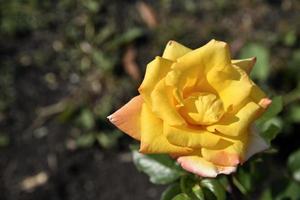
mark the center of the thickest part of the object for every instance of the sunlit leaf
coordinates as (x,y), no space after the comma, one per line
(214,186)
(190,186)
(160,168)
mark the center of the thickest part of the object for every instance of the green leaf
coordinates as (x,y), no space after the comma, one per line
(86,119)
(198,192)
(127,37)
(181,196)
(239,185)
(274,109)
(266,195)
(189,185)
(171,192)
(290,38)
(291,192)
(160,168)
(244,179)
(270,132)
(262,67)
(85,140)
(4,140)
(294,164)
(108,140)
(294,113)
(214,186)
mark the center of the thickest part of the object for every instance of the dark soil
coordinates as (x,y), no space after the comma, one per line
(90,173)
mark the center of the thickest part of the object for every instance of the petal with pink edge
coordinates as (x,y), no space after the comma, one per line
(127,118)
(201,167)
(198,165)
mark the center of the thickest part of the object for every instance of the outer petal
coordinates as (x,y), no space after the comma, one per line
(127,118)
(235,125)
(203,168)
(156,70)
(175,50)
(189,137)
(245,64)
(256,144)
(223,157)
(230,154)
(152,138)
(198,165)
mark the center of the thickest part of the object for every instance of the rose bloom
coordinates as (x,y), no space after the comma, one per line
(198,106)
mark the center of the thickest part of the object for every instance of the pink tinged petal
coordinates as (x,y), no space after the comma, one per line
(201,167)
(198,165)
(265,102)
(221,157)
(256,144)
(226,169)
(127,118)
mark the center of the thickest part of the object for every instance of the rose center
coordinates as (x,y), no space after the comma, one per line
(202,109)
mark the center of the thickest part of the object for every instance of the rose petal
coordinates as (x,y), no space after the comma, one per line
(222,157)
(193,67)
(256,144)
(155,71)
(245,64)
(229,152)
(237,124)
(232,82)
(190,137)
(198,165)
(175,50)
(152,137)
(202,167)
(127,118)
(226,170)
(164,106)
(265,103)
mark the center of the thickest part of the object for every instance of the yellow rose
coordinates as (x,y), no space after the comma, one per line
(198,106)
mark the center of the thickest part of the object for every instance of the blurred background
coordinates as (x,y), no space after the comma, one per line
(66,65)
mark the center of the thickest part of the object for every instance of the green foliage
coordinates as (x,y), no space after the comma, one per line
(215,187)
(4,140)
(274,109)
(161,169)
(181,196)
(294,164)
(268,124)
(171,192)
(86,140)
(261,70)
(108,140)
(82,44)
